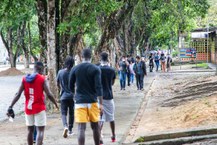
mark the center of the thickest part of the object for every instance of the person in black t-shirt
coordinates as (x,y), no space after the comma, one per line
(108,79)
(87,78)
(66,96)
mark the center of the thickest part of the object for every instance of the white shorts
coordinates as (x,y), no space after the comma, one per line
(38,119)
(108,111)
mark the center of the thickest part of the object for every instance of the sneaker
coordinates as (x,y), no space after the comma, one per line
(100,142)
(142,89)
(113,139)
(65,132)
(70,133)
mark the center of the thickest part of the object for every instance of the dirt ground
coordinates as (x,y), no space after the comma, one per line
(178,101)
(11,72)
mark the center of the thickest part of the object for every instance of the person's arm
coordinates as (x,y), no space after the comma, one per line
(58,80)
(72,80)
(49,94)
(113,82)
(17,95)
(98,87)
(144,67)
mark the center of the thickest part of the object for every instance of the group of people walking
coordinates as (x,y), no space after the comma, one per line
(85,94)
(128,68)
(160,60)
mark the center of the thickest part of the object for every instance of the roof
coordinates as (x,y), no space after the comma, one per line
(205,29)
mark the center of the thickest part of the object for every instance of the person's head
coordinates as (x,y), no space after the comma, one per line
(104,57)
(128,56)
(123,58)
(86,54)
(138,58)
(39,67)
(69,62)
(150,54)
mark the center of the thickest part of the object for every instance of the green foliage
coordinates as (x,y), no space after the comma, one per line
(84,16)
(13,12)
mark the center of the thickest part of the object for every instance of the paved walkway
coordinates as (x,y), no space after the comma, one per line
(127,104)
(8,88)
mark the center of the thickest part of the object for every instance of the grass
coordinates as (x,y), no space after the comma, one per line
(203,65)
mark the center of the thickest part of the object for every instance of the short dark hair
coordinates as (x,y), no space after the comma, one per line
(69,62)
(138,57)
(104,56)
(86,53)
(39,66)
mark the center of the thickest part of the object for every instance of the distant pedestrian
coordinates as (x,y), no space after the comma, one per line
(157,61)
(151,62)
(169,61)
(87,78)
(34,86)
(108,79)
(132,73)
(128,69)
(163,62)
(140,71)
(66,97)
(123,64)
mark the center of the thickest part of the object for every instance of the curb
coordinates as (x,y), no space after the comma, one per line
(195,133)
(180,141)
(137,116)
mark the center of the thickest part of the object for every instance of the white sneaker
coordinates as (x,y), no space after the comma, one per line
(71,133)
(65,132)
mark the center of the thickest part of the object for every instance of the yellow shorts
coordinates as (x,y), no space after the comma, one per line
(87,112)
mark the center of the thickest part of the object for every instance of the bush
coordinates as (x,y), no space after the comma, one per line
(175,53)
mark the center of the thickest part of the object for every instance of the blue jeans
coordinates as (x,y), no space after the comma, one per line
(122,77)
(131,78)
(157,65)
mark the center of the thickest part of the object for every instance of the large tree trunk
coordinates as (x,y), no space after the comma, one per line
(113,24)
(23,45)
(10,52)
(51,40)
(42,24)
(30,43)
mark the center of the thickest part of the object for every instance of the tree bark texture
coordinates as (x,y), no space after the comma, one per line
(51,54)
(41,6)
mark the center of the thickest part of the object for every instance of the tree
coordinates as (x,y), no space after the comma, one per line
(51,43)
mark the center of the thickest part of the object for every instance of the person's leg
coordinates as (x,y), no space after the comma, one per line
(64,111)
(141,81)
(40,135)
(137,82)
(71,114)
(124,80)
(35,134)
(30,135)
(164,67)
(121,80)
(128,78)
(96,132)
(112,125)
(81,133)
(157,65)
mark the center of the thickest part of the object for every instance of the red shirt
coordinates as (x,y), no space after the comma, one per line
(34,94)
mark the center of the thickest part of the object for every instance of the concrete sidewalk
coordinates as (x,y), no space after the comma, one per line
(127,104)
